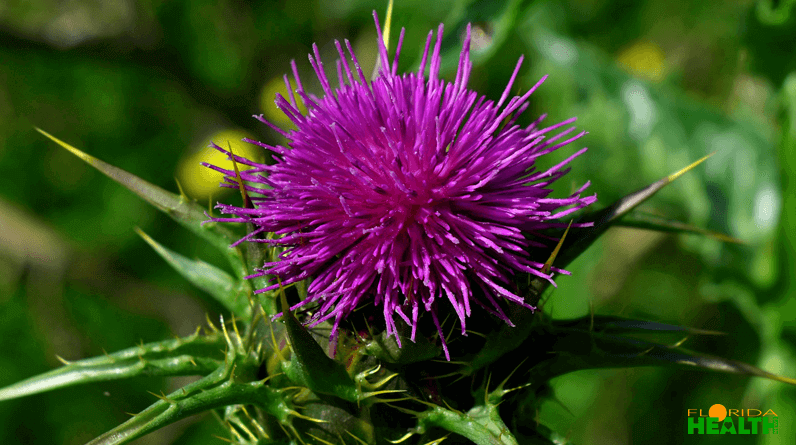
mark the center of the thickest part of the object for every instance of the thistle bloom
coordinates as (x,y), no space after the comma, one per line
(406,192)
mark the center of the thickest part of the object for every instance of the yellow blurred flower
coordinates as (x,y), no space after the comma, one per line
(645,60)
(270,111)
(200,182)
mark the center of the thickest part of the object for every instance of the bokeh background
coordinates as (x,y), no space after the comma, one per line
(146,84)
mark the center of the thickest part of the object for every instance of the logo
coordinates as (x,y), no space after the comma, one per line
(720,420)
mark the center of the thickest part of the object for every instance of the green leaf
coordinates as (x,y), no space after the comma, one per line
(186,212)
(194,355)
(310,366)
(385,348)
(231,293)
(256,254)
(216,390)
(614,324)
(504,340)
(481,424)
(580,238)
(593,342)
(339,421)
(577,349)
(508,338)
(651,222)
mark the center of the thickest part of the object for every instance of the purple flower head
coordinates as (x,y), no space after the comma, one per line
(406,192)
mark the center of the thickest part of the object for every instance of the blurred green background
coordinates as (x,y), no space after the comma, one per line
(146,84)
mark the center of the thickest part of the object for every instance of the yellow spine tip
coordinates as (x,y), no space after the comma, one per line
(682,171)
(87,158)
(387,25)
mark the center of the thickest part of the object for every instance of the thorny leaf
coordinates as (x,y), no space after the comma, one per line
(194,355)
(232,293)
(186,212)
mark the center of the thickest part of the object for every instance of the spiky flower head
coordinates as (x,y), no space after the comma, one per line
(407,192)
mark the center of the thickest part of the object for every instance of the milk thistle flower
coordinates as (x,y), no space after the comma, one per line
(406,191)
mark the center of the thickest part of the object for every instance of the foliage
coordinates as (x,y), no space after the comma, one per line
(153,79)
